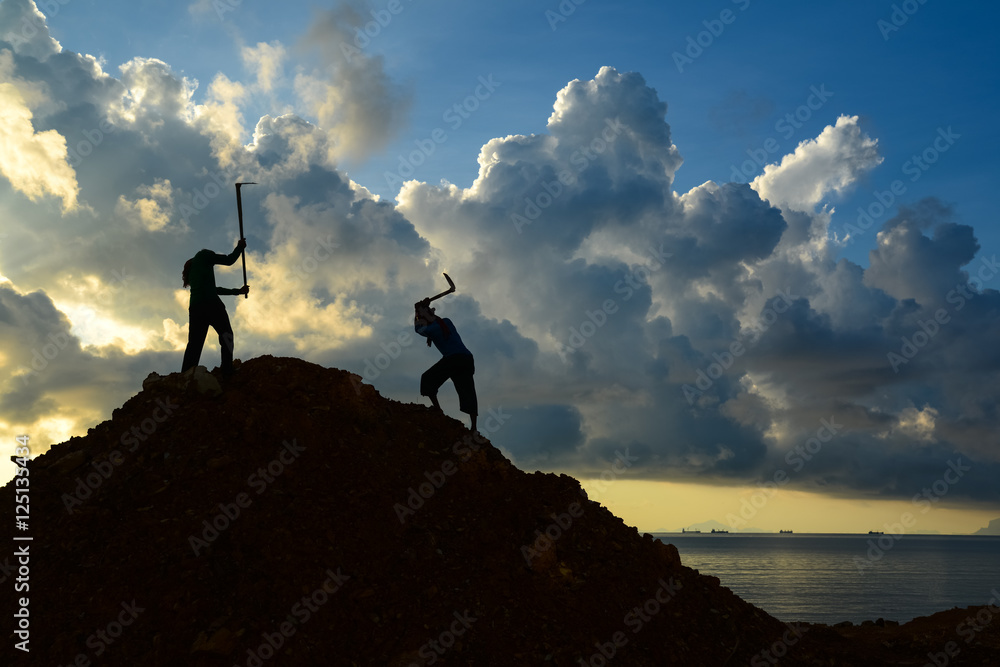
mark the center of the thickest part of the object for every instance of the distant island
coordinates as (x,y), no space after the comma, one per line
(992,529)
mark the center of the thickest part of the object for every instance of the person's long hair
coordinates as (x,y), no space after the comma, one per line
(184,273)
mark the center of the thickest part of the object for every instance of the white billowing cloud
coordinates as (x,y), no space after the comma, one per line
(34,162)
(31,94)
(152,209)
(585,214)
(153,93)
(157,168)
(221,119)
(642,299)
(708,332)
(910,265)
(23,26)
(616,101)
(321,256)
(288,146)
(830,163)
(576,237)
(349,92)
(267,61)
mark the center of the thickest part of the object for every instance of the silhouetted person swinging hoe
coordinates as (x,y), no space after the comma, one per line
(456,363)
(206,308)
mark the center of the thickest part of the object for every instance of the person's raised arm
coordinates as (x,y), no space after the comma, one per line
(230,259)
(423,319)
(419,324)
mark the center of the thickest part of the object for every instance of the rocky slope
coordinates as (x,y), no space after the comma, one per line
(294,516)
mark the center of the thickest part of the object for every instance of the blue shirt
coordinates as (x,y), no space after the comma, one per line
(452,344)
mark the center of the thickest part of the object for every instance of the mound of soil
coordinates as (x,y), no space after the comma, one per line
(290,515)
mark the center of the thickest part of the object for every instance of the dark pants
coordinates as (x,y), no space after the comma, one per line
(212,314)
(459,368)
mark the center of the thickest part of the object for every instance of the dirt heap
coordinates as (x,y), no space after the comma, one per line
(290,515)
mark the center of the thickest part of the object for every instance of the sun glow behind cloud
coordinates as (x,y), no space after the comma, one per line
(34,163)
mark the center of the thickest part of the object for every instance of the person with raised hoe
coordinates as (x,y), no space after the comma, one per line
(456,363)
(206,308)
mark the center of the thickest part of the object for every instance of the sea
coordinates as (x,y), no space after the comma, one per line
(830,578)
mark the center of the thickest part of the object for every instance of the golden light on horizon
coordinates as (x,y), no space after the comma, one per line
(657,506)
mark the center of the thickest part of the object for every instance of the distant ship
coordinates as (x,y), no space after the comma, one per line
(786,532)
(685,530)
(875,532)
(720,531)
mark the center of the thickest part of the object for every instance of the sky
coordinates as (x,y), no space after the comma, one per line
(729,261)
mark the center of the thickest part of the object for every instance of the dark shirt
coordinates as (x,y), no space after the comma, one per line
(201,276)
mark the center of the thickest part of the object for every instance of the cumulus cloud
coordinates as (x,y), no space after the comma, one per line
(710,332)
(153,93)
(910,265)
(152,209)
(267,61)
(34,162)
(155,166)
(222,120)
(349,92)
(24,28)
(830,163)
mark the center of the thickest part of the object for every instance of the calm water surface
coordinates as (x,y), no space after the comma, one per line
(833,578)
